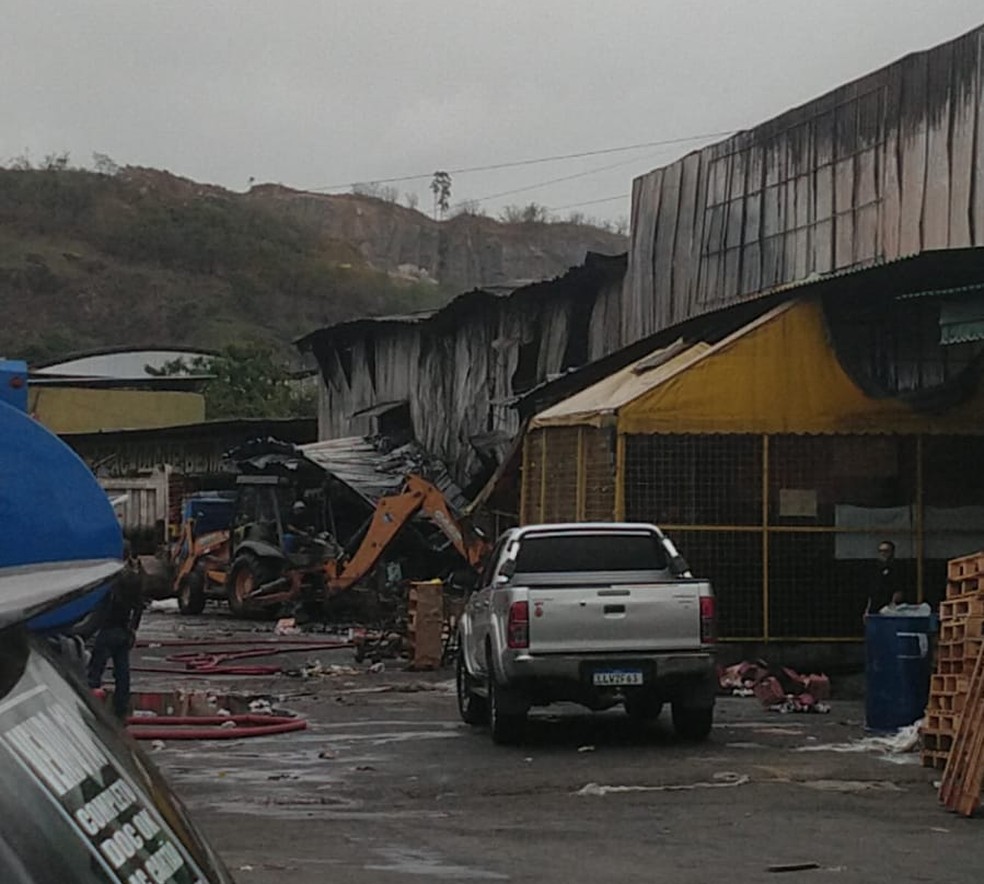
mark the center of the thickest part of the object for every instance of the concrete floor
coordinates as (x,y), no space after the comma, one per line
(387,785)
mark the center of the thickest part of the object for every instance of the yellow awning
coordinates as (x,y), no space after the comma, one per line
(779,374)
(599,403)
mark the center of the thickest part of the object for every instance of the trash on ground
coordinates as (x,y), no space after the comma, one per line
(777,688)
(585,748)
(286,626)
(906,740)
(377,667)
(722,780)
(164,606)
(852,786)
(793,867)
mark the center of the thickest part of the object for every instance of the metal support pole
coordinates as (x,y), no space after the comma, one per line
(765,537)
(620,477)
(920,523)
(542,516)
(581,493)
(524,480)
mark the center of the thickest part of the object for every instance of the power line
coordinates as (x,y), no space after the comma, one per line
(540,184)
(604,199)
(530,162)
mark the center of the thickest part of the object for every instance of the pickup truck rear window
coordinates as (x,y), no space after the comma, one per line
(590,552)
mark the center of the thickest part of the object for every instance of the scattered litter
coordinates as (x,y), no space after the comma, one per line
(722,780)
(316,669)
(377,667)
(286,626)
(260,706)
(245,868)
(157,745)
(793,867)
(585,748)
(164,606)
(143,713)
(939,829)
(365,767)
(777,688)
(327,754)
(803,704)
(906,740)
(528,760)
(852,786)
(228,724)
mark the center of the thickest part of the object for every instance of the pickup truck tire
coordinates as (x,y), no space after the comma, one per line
(472,708)
(507,728)
(693,723)
(191,593)
(643,710)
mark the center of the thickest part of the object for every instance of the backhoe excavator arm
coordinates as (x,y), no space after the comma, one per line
(391,515)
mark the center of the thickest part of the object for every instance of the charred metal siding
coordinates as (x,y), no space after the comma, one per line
(887,166)
(461,369)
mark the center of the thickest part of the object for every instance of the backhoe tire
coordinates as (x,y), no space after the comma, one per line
(246,574)
(473,709)
(191,593)
(693,723)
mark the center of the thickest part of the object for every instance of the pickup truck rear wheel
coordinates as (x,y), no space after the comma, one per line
(693,723)
(507,728)
(642,710)
(472,708)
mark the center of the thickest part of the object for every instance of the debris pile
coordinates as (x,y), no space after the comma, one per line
(777,688)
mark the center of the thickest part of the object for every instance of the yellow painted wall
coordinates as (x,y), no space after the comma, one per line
(79,410)
(782,377)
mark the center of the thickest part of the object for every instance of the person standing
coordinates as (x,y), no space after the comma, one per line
(117,633)
(886,587)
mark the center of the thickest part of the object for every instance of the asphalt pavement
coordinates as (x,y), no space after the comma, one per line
(387,785)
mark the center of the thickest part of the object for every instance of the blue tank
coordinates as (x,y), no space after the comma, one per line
(897,670)
(52,509)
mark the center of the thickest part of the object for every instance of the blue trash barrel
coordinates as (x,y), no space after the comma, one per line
(897,670)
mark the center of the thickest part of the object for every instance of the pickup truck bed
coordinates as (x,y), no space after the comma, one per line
(598,614)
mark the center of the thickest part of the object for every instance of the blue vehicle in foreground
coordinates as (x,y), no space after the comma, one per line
(79,802)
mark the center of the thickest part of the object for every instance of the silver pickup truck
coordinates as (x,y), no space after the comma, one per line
(592,613)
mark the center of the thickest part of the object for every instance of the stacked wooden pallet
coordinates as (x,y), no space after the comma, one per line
(960,642)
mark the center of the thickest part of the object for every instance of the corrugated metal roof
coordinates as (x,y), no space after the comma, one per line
(375,469)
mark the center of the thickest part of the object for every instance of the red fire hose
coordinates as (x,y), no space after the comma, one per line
(199,663)
(210,727)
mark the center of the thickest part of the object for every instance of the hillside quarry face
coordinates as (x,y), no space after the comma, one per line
(463,253)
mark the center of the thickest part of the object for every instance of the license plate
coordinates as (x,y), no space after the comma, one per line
(616,677)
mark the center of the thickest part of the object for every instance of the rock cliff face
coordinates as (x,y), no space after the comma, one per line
(462,253)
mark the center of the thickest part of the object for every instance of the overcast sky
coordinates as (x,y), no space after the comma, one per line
(319,93)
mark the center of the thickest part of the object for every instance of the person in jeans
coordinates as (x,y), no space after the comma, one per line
(118,631)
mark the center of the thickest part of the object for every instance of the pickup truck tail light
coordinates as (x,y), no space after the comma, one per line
(518,626)
(708,625)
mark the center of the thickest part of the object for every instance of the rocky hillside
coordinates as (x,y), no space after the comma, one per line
(143,257)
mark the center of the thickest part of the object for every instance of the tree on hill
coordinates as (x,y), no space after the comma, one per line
(247,380)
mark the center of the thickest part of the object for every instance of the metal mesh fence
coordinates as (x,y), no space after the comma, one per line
(598,447)
(694,480)
(786,527)
(560,489)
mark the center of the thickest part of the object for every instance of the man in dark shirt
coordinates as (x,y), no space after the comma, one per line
(887,584)
(118,631)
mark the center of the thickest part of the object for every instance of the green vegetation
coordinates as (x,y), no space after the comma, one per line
(249,380)
(90,259)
